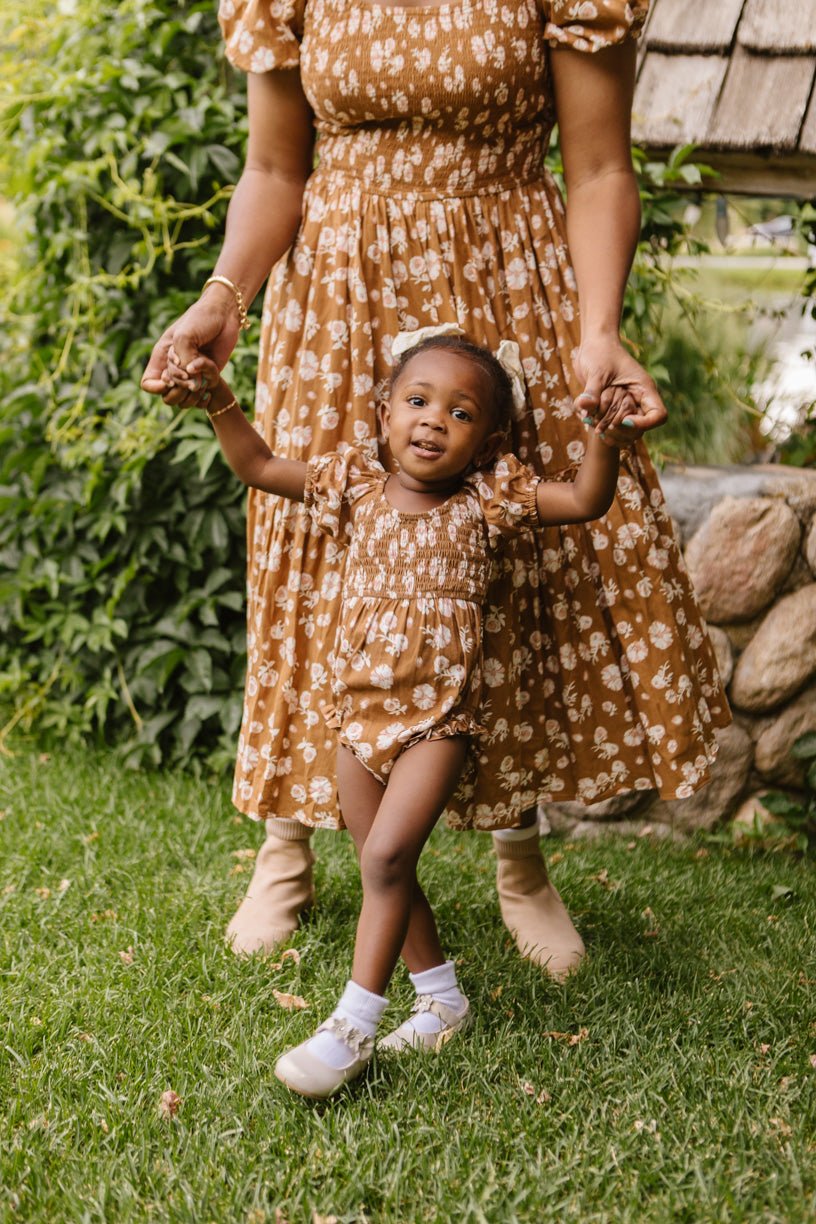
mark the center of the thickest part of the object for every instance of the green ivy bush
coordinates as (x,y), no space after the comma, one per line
(121,530)
(120,571)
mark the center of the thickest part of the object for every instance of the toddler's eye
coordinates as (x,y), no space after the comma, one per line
(416,400)
(459,414)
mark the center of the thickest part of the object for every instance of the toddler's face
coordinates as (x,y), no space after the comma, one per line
(440,419)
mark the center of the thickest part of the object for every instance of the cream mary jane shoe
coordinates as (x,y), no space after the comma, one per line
(301,1071)
(406,1037)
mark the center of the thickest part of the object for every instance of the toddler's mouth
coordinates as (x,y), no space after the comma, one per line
(426,448)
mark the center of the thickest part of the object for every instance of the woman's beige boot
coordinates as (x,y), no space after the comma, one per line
(532,910)
(280,890)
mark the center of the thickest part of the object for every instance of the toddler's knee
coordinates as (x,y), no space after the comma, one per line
(385,864)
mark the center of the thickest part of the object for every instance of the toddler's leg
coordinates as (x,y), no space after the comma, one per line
(419,786)
(389,827)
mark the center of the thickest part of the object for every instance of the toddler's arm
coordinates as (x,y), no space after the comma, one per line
(248,455)
(591,493)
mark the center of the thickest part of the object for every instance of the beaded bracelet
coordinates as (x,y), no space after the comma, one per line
(243,320)
(220,411)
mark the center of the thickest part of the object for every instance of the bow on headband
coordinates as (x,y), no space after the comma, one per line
(507,355)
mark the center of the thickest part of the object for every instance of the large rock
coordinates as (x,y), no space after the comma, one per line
(741,555)
(810,547)
(562,818)
(799,575)
(724,652)
(772,753)
(781,655)
(692,492)
(714,802)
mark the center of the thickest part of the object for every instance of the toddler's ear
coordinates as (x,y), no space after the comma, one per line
(384,420)
(489,449)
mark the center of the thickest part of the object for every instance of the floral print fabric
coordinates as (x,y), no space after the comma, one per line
(407,663)
(430,204)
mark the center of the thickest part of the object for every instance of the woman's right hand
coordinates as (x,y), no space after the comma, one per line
(209,328)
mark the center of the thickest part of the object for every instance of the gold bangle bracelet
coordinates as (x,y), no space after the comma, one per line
(220,411)
(243,320)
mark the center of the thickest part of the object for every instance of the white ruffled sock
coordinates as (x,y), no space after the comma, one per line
(360,1008)
(441,984)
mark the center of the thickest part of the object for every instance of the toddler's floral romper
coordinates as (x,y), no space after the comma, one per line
(407,663)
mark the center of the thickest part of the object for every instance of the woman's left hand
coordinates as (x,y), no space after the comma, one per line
(617,389)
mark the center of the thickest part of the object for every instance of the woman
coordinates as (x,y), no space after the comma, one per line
(430,204)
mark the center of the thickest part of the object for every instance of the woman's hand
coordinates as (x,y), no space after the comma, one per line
(619,397)
(208,329)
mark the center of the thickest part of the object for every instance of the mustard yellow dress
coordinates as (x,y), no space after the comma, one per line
(430,203)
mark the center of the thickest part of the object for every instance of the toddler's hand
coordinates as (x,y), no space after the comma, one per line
(192,387)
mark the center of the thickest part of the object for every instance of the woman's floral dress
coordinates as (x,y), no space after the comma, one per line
(407,660)
(430,203)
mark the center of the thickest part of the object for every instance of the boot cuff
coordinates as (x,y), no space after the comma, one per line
(288,830)
(528,847)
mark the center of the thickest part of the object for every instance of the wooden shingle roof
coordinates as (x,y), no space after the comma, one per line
(737,78)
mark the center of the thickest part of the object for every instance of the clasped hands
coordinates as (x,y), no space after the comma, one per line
(620,400)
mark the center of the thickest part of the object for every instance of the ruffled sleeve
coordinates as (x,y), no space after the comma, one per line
(591,25)
(260,35)
(334,482)
(507,493)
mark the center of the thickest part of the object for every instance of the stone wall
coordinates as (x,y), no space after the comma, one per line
(749,539)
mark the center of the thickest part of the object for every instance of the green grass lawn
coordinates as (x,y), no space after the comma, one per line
(687,1094)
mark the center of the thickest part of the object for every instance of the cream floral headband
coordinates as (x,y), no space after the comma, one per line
(507,355)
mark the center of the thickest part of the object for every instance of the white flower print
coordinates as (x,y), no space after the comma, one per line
(424,696)
(382,676)
(661,635)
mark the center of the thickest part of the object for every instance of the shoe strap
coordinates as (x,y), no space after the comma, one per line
(360,1044)
(427,1003)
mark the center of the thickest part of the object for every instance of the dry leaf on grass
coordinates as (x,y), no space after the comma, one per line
(169,1103)
(63,886)
(572,1039)
(291,954)
(247,853)
(764,1047)
(108,915)
(321,1219)
(289,1002)
(540,1098)
(602,878)
(126,957)
(238,869)
(43,893)
(91,837)
(702,853)
(9,889)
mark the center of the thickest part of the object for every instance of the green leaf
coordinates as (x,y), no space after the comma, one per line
(805,746)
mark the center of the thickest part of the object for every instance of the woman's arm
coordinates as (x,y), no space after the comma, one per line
(262,221)
(591,493)
(246,452)
(593,94)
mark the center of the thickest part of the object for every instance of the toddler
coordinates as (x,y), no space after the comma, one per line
(407,658)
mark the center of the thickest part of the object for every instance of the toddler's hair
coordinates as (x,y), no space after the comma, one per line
(501,399)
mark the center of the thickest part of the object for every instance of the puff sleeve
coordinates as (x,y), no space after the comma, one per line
(507,493)
(334,482)
(260,35)
(591,25)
